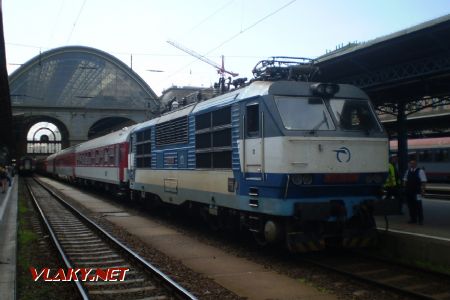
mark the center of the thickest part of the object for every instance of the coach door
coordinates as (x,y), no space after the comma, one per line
(253,142)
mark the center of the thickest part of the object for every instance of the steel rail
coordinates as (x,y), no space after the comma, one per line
(165,280)
(55,241)
(365,279)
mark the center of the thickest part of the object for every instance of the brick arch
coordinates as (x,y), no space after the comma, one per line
(22,126)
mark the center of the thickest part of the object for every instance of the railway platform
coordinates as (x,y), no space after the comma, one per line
(427,243)
(8,241)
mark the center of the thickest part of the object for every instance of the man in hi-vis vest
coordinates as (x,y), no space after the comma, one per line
(393,182)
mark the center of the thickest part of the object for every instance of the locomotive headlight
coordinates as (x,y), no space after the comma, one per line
(297,179)
(331,89)
(325,89)
(307,178)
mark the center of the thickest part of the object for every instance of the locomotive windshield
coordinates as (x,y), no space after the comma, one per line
(299,113)
(354,115)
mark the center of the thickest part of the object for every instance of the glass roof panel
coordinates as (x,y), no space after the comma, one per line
(79,77)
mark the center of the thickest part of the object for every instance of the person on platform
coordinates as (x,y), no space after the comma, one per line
(392,183)
(415,180)
(3,179)
(9,174)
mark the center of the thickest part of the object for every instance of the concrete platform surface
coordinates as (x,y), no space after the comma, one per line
(243,277)
(8,242)
(429,242)
(91,201)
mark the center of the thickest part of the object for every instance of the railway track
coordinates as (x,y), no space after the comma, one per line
(408,281)
(84,245)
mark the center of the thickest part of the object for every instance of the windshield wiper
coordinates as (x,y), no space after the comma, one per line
(323,121)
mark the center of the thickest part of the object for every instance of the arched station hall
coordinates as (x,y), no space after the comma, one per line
(71,94)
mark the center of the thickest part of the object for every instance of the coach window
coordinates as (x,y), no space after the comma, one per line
(425,156)
(445,155)
(442,155)
(252,123)
(131,143)
(106,156)
(111,156)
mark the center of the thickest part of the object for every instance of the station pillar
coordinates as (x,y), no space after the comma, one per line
(6,132)
(402,139)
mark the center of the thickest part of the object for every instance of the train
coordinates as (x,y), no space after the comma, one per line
(289,161)
(26,165)
(431,154)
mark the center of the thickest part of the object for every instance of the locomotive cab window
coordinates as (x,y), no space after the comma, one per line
(298,113)
(252,120)
(354,115)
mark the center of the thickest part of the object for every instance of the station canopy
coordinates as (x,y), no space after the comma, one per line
(79,77)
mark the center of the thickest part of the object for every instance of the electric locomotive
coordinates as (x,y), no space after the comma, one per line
(290,160)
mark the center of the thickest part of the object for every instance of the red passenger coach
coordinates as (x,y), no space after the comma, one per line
(62,164)
(50,164)
(432,154)
(104,161)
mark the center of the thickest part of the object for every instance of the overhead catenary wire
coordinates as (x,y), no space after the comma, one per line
(56,21)
(251,26)
(76,21)
(127,54)
(208,17)
(236,35)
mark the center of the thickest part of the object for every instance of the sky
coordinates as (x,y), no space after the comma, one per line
(244,31)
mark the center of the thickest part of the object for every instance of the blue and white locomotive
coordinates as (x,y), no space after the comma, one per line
(292,161)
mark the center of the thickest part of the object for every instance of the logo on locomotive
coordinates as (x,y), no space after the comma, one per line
(343,154)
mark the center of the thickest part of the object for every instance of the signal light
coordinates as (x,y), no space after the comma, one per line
(325,89)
